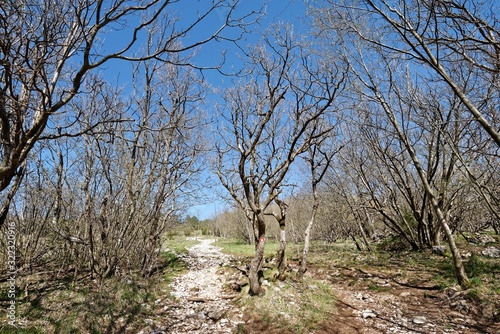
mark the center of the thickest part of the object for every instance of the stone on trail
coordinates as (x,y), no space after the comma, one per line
(491,252)
(419,320)
(366,314)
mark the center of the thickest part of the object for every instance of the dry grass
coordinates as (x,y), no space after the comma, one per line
(54,302)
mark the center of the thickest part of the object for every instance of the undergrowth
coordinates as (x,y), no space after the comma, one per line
(54,303)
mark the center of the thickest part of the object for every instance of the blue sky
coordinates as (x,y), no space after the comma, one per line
(292,11)
(289,11)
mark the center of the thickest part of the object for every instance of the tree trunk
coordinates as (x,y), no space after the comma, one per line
(363,235)
(358,247)
(281,252)
(370,228)
(256,263)
(437,238)
(307,238)
(457,259)
(281,218)
(12,191)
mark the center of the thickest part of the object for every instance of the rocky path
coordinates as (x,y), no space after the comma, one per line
(201,301)
(200,305)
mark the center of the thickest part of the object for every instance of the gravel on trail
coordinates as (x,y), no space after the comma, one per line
(200,305)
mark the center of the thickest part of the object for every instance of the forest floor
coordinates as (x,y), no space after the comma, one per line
(346,291)
(203,289)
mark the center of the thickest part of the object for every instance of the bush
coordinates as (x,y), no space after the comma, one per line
(394,244)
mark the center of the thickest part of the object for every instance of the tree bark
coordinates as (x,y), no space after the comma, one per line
(281,252)
(256,263)
(307,241)
(363,234)
(460,274)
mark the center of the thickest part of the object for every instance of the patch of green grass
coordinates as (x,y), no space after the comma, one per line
(318,304)
(473,294)
(330,254)
(477,266)
(394,243)
(172,261)
(94,311)
(292,307)
(240,329)
(476,282)
(178,244)
(240,249)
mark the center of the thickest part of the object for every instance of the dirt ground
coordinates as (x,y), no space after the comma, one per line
(372,301)
(396,308)
(366,293)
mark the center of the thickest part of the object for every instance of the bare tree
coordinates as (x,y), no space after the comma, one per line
(267,122)
(107,197)
(395,46)
(232,223)
(393,110)
(319,158)
(438,35)
(45,208)
(384,173)
(167,149)
(48,48)
(346,189)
